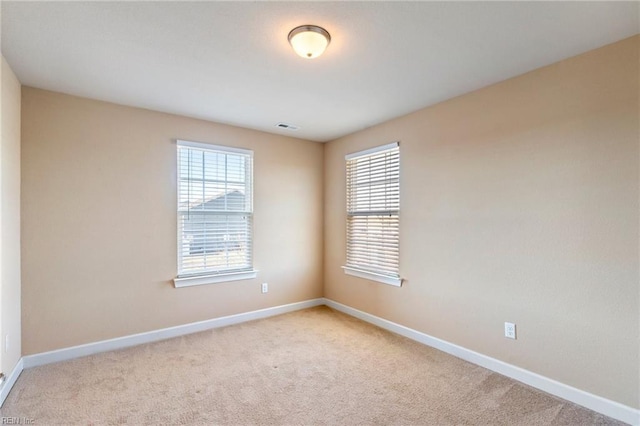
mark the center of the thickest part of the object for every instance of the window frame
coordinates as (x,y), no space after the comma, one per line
(363,270)
(212,276)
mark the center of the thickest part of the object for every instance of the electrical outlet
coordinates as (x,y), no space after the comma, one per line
(509,330)
(265,287)
(6,343)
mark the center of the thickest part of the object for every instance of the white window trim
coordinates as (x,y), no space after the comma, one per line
(209,146)
(213,279)
(360,273)
(396,282)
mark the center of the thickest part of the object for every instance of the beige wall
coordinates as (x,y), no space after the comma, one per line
(10,220)
(99,221)
(519,203)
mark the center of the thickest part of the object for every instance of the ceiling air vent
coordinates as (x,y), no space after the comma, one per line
(287,126)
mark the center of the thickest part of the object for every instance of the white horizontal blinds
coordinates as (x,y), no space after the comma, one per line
(373,207)
(215,209)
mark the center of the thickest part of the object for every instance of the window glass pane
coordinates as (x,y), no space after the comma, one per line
(214,211)
(373,205)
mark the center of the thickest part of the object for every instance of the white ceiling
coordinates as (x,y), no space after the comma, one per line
(230,62)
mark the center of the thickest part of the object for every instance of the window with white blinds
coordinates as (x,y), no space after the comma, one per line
(215,210)
(373,209)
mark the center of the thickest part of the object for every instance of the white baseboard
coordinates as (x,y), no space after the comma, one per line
(162,334)
(593,402)
(11,380)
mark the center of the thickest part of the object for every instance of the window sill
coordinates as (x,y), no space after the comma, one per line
(396,282)
(212,279)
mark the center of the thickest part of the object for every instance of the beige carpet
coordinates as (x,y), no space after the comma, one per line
(310,367)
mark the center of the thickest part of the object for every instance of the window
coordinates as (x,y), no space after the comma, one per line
(215,212)
(373,209)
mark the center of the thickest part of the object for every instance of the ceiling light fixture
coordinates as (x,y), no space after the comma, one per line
(309,41)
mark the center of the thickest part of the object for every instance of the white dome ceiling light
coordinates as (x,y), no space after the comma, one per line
(309,41)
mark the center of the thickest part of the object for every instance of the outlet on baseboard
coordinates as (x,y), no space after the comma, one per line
(265,287)
(509,330)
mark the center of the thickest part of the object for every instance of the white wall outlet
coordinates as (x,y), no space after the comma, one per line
(6,343)
(265,287)
(509,330)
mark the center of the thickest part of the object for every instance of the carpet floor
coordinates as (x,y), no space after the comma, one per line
(310,367)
